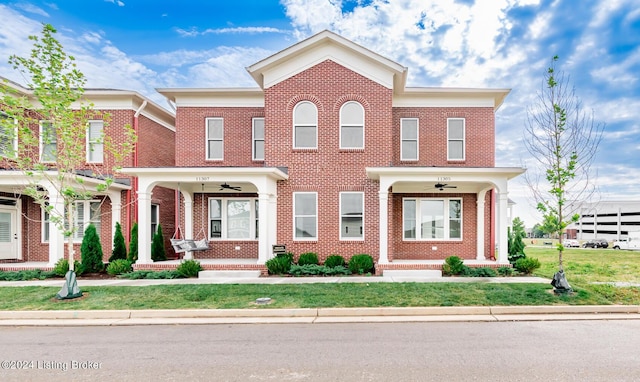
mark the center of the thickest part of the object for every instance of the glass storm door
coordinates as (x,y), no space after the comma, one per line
(8,234)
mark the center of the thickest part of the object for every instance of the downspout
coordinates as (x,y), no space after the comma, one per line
(134,202)
(492,225)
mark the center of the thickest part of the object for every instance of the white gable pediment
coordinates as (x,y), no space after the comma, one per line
(328,46)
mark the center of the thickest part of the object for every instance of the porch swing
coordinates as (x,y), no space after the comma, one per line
(180,244)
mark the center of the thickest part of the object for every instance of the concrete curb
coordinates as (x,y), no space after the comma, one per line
(318,315)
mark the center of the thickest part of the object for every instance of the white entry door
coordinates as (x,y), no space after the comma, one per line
(8,233)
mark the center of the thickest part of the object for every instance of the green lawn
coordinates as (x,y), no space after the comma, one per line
(583,267)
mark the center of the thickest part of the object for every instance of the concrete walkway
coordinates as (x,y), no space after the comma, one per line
(263,315)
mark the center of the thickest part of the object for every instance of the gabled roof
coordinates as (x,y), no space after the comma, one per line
(320,47)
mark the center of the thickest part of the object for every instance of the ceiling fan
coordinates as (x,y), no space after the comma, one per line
(225,186)
(442,186)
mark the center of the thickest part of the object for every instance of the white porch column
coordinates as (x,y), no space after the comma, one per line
(383,200)
(480,226)
(144,226)
(56,236)
(502,223)
(266,219)
(188,220)
(116,211)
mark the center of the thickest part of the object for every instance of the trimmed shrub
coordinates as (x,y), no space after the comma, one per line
(91,251)
(189,268)
(361,264)
(137,275)
(158,252)
(318,270)
(515,257)
(505,271)
(308,258)
(119,248)
(280,265)
(133,244)
(527,265)
(481,272)
(119,266)
(62,267)
(334,261)
(453,265)
(30,274)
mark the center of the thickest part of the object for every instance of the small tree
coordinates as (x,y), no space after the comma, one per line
(91,251)
(158,252)
(563,139)
(119,247)
(133,244)
(57,156)
(515,242)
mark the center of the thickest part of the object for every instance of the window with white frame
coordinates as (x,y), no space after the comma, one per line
(95,144)
(86,212)
(351,126)
(305,215)
(258,138)
(48,142)
(432,219)
(8,136)
(233,218)
(155,218)
(215,138)
(305,126)
(351,215)
(409,139)
(455,138)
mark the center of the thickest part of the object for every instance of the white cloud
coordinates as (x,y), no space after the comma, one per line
(193,32)
(28,7)
(117,2)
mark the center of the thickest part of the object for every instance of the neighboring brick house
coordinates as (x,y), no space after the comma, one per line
(333,154)
(26,235)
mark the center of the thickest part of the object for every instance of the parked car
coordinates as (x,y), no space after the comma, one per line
(630,243)
(570,243)
(596,243)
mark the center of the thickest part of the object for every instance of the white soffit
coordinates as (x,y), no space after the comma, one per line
(320,47)
(221,97)
(450,97)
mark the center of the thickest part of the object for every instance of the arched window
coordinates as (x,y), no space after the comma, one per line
(352,126)
(305,126)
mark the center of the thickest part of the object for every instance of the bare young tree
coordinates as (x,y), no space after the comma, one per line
(562,139)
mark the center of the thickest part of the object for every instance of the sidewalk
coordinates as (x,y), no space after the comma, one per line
(307,316)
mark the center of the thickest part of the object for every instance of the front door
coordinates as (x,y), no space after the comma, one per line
(8,233)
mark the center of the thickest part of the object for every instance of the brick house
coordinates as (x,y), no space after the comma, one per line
(332,153)
(25,234)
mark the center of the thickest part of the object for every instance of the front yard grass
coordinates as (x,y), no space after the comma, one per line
(583,268)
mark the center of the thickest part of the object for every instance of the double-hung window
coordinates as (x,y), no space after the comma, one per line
(48,142)
(305,216)
(215,138)
(351,126)
(8,137)
(351,215)
(258,138)
(86,212)
(409,139)
(155,218)
(455,139)
(95,144)
(432,219)
(233,218)
(305,126)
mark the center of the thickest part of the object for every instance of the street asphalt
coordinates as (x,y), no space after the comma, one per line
(261,314)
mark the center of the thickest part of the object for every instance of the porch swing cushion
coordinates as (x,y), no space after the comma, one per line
(184,245)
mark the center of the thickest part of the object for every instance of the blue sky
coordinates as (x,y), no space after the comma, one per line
(143,45)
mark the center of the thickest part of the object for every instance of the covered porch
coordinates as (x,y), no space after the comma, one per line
(196,186)
(481,229)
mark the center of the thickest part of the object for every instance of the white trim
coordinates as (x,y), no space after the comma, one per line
(315,147)
(295,238)
(350,238)
(417,140)
(254,140)
(446,228)
(464,140)
(98,141)
(361,147)
(207,139)
(224,218)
